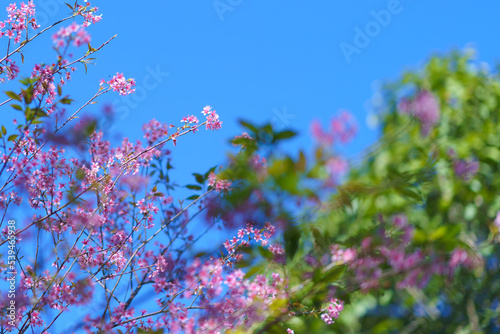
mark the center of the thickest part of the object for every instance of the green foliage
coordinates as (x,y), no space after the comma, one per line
(408,173)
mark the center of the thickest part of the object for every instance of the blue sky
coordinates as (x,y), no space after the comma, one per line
(278,61)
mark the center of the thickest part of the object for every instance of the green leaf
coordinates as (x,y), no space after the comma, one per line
(319,239)
(16,106)
(13,96)
(410,193)
(28,95)
(285,134)
(291,237)
(333,274)
(39,112)
(193,197)
(12,137)
(266,254)
(193,187)
(66,100)
(242,264)
(253,271)
(199,178)
(248,126)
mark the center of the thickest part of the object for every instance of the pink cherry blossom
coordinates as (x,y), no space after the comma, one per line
(121,85)
(425,107)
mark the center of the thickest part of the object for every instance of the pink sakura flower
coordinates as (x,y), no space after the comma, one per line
(154,130)
(18,21)
(88,14)
(206,110)
(465,169)
(333,311)
(243,135)
(341,256)
(245,235)
(257,162)
(234,279)
(10,68)
(319,135)
(425,107)
(36,320)
(337,167)
(213,122)
(121,85)
(460,257)
(167,200)
(220,185)
(74,32)
(290,331)
(342,127)
(161,266)
(190,119)
(81,38)
(277,249)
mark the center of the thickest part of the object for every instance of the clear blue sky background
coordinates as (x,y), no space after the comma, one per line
(252,59)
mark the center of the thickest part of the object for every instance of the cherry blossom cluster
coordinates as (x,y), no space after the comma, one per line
(74,32)
(119,84)
(45,86)
(343,127)
(154,130)
(277,249)
(258,162)
(93,207)
(249,233)
(10,69)
(190,119)
(213,122)
(332,311)
(218,184)
(18,21)
(341,256)
(245,302)
(414,267)
(89,13)
(425,107)
(337,167)
(464,169)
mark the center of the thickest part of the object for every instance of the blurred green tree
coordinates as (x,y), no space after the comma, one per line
(408,238)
